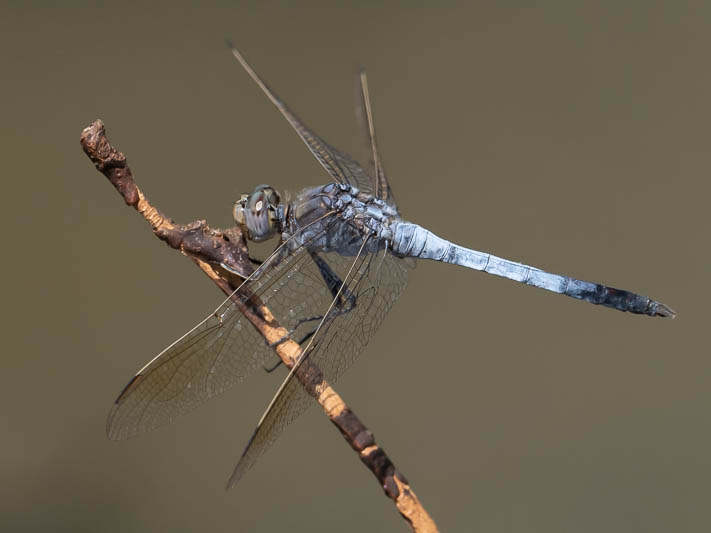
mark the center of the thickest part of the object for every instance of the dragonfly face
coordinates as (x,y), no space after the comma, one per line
(259,213)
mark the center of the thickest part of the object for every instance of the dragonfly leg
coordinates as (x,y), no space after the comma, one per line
(306,337)
(292,330)
(271,369)
(279,254)
(345,303)
(334,283)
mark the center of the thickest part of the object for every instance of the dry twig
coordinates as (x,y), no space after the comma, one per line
(207,248)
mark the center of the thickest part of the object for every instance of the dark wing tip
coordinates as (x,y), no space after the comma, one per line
(242,466)
(236,476)
(114,432)
(127,388)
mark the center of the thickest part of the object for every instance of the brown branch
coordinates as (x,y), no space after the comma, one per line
(208,248)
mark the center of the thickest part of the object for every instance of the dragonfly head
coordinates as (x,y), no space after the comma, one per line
(259,213)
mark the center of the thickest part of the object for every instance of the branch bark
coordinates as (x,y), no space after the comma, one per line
(207,248)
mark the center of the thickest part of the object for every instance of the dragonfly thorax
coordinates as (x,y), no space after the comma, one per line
(260,214)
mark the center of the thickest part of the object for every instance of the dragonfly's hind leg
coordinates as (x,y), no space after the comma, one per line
(292,330)
(306,337)
(271,369)
(334,284)
(345,301)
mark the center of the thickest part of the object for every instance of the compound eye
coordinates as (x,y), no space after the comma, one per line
(271,194)
(273,197)
(257,217)
(258,203)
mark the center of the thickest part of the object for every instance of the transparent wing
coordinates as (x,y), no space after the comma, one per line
(356,175)
(376,280)
(222,349)
(364,114)
(340,166)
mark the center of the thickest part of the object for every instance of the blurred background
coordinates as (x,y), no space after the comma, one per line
(571,136)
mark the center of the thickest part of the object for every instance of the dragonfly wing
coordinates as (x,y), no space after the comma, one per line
(370,285)
(364,114)
(357,176)
(221,350)
(187,373)
(339,165)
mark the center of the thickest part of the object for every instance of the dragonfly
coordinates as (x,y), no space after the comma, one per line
(343,259)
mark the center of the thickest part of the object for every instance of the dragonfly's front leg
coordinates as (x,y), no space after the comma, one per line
(269,263)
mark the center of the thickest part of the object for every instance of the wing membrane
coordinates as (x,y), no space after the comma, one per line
(297,287)
(340,166)
(221,350)
(376,280)
(364,113)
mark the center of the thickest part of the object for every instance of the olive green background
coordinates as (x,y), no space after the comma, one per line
(571,136)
